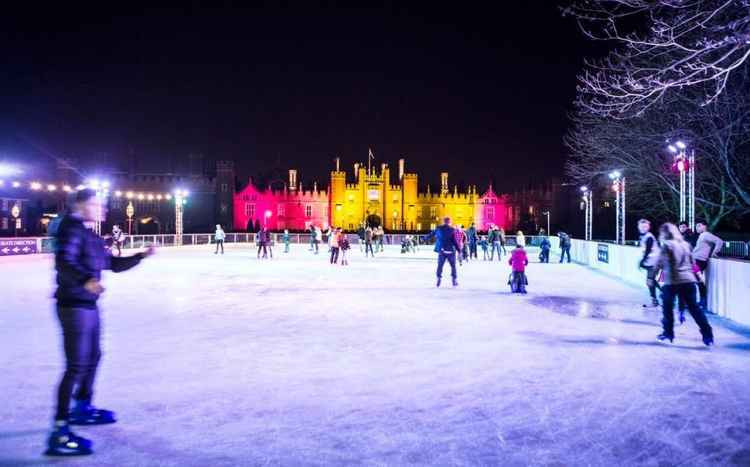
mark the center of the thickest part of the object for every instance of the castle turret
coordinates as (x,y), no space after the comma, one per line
(337,198)
(444,183)
(292,180)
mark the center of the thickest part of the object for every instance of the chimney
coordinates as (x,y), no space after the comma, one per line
(356,171)
(292,179)
(338,166)
(401,163)
(444,183)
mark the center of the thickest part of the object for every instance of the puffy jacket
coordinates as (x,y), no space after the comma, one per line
(545,245)
(80,257)
(518,260)
(445,239)
(650,250)
(219,235)
(677,262)
(709,245)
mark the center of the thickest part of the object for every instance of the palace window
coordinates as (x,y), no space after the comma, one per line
(223,208)
(249,210)
(432,226)
(338,207)
(395,198)
(280,210)
(490,212)
(308,211)
(224,187)
(433,211)
(531,210)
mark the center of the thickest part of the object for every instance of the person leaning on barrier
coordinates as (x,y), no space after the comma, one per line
(707,246)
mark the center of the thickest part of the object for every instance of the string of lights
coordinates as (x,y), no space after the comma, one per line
(103,187)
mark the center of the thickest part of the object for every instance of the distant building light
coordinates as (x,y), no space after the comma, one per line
(67,188)
(36,186)
(51,188)
(118,193)
(129,195)
(16,184)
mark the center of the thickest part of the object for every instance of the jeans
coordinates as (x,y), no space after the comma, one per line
(334,254)
(473,250)
(81,331)
(286,246)
(495,246)
(565,249)
(219,243)
(686,293)
(702,289)
(651,281)
(544,255)
(368,249)
(451,258)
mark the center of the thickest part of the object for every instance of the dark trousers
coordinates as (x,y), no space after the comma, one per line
(651,281)
(219,243)
(544,255)
(118,245)
(686,293)
(702,289)
(265,249)
(495,246)
(473,250)
(368,248)
(81,331)
(564,250)
(451,258)
(334,254)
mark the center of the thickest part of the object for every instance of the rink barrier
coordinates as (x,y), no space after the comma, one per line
(33,245)
(728,280)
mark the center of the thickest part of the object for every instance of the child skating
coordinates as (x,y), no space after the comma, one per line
(518,260)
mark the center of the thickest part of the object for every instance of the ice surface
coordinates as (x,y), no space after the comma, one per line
(227,360)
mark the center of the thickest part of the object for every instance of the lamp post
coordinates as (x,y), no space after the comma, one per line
(179,208)
(546,213)
(130,211)
(588,215)
(618,185)
(685,165)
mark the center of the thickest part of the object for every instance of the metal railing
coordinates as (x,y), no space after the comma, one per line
(731,249)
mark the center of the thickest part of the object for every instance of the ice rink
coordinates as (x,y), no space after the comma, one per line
(228,360)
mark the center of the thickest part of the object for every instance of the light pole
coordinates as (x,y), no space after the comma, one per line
(685,165)
(15,212)
(179,208)
(102,192)
(546,213)
(130,211)
(618,185)
(588,215)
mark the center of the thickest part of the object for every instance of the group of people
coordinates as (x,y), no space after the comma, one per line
(675,263)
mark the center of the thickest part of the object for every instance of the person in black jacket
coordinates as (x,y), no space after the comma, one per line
(80,258)
(446,247)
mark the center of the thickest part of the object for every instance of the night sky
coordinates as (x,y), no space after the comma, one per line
(482,93)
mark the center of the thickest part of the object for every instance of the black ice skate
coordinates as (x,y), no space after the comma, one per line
(455,283)
(663,337)
(86,414)
(654,304)
(708,340)
(63,442)
(438,281)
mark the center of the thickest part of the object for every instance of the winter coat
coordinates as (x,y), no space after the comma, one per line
(80,257)
(709,245)
(649,250)
(521,240)
(368,236)
(445,239)
(518,260)
(459,235)
(344,242)
(676,261)
(219,235)
(471,233)
(564,240)
(545,245)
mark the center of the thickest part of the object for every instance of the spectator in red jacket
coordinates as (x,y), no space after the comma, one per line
(518,261)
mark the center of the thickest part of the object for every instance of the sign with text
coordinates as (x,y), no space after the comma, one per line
(602,253)
(12,246)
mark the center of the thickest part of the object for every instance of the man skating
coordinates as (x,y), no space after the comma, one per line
(650,253)
(79,259)
(446,247)
(707,246)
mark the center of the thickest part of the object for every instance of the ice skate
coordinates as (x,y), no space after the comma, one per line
(63,442)
(654,304)
(682,316)
(86,414)
(438,281)
(455,283)
(708,340)
(663,337)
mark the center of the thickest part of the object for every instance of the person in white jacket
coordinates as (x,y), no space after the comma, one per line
(219,237)
(708,246)
(649,255)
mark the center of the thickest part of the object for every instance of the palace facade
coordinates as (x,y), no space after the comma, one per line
(370,198)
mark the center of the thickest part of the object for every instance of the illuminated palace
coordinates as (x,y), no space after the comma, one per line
(373,199)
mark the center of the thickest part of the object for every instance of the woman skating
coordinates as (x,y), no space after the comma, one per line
(676,260)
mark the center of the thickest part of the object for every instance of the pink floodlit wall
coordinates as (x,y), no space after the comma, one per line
(293,210)
(491,209)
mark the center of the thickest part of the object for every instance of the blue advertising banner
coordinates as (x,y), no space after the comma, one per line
(14,246)
(602,253)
